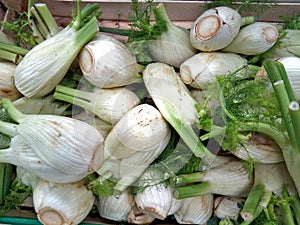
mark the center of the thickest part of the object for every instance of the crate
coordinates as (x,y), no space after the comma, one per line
(115,14)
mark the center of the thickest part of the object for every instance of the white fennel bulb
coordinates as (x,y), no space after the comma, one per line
(254,39)
(133,143)
(228,207)
(292,68)
(215,28)
(109,104)
(66,204)
(259,148)
(173,46)
(7,86)
(116,207)
(202,69)
(136,216)
(66,144)
(106,62)
(45,65)
(195,210)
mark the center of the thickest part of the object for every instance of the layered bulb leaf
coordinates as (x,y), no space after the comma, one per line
(107,63)
(215,28)
(65,204)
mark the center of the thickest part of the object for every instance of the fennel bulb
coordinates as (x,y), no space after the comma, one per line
(136,216)
(215,28)
(195,210)
(45,65)
(254,39)
(133,143)
(116,207)
(260,148)
(173,46)
(228,207)
(107,63)
(292,68)
(109,104)
(202,69)
(155,199)
(176,104)
(67,145)
(68,203)
(7,86)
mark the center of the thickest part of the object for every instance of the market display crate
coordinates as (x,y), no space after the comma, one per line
(115,14)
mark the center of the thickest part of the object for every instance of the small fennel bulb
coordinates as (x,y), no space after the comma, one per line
(215,28)
(68,203)
(116,207)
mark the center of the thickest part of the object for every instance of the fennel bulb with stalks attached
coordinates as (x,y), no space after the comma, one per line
(134,142)
(68,203)
(109,104)
(173,46)
(254,39)
(69,146)
(176,104)
(215,28)
(45,65)
(7,86)
(203,68)
(107,63)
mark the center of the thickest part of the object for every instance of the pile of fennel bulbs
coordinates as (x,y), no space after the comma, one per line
(139,142)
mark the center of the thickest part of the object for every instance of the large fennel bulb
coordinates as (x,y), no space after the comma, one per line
(133,143)
(215,28)
(65,204)
(202,69)
(45,65)
(106,62)
(7,86)
(68,145)
(173,46)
